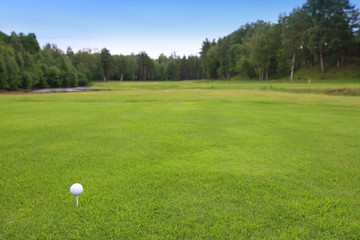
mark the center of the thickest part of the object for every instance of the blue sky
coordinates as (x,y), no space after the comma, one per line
(133,26)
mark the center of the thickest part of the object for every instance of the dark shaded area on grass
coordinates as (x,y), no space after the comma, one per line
(337,91)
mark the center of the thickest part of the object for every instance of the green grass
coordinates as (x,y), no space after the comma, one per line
(183,160)
(217,85)
(350,72)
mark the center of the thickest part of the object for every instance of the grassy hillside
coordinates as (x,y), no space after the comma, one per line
(349,73)
(183,160)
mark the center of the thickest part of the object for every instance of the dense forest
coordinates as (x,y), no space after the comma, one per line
(321,32)
(24,65)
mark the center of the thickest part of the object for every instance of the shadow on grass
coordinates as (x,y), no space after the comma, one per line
(335,91)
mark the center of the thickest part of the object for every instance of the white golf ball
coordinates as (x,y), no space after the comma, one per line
(76,189)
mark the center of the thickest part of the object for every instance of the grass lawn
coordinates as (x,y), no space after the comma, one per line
(181,160)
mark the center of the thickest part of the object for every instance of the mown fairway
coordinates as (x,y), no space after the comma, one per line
(180,161)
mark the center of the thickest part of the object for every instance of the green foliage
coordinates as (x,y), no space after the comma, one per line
(53,77)
(212,62)
(203,56)
(318,32)
(138,67)
(144,66)
(223,51)
(40,71)
(106,61)
(30,43)
(12,69)
(292,28)
(26,80)
(172,70)
(160,70)
(120,67)
(82,80)
(3,74)
(24,65)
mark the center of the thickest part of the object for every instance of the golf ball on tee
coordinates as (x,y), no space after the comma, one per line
(76,189)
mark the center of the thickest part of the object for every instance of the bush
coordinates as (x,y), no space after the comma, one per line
(53,77)
(26,80)
(83,81)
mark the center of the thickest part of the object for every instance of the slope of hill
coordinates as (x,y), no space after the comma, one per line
(349,73)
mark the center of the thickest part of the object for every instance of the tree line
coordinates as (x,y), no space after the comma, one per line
(323,32)
(104,66)
(24,65)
